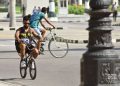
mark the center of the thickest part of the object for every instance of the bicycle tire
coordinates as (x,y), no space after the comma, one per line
(58,49)
(23,70)
(33,71)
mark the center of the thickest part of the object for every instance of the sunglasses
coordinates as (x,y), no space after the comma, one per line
(26,23)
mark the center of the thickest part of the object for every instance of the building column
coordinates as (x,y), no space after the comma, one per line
(51,8)
(12,13)
(100,66)
(117,2)
(87,4)
(8,14)
(51,13)
(79,2)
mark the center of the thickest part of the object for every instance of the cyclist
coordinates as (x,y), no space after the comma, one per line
(36,20)
(23,34)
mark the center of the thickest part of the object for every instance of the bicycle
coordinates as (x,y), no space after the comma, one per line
(57,46)
(28,61)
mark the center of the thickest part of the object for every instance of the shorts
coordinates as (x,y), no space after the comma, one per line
(17,46)
(38,31)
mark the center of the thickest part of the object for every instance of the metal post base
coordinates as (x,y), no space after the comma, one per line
(100,68)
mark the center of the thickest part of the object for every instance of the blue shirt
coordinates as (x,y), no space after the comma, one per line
(35,18)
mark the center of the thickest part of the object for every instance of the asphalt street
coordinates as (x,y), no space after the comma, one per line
(50,71)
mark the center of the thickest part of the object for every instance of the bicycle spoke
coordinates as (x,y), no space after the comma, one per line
(58,49)
(23,68)
(32,69)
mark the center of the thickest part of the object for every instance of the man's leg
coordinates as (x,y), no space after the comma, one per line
(38,31)
(35,52)
(22,50)
(39,44)
(43,32)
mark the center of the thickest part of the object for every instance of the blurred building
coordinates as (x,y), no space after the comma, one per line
(77,2)
(30,4)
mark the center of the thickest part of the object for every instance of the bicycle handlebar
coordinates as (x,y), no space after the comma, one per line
(49,28)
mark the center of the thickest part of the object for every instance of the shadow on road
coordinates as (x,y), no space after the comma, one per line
(10,79)
(9,58)
(14,79)
(8,51)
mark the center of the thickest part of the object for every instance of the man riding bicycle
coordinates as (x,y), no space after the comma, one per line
(36,18)
(22,35)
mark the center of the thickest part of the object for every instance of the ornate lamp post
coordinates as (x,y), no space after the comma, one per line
(100,66)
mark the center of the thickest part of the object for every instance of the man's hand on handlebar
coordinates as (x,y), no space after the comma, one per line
(53,27)
(19,40)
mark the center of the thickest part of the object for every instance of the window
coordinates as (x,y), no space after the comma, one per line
(63,3)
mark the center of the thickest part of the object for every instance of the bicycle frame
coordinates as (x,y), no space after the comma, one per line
(50,35)
(29,62)
(29,51)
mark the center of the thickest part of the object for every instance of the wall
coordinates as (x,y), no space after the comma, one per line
(31,3)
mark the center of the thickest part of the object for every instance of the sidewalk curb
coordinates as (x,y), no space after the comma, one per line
(61,39)
(118,24)
(14,28)
(59,21)
(82,41)
(10,28)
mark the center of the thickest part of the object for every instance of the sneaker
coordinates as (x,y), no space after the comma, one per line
(23,64)
(33,66)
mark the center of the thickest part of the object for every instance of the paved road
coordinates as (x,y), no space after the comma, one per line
(50,71)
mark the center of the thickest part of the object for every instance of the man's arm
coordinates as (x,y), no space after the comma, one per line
(49,22)
(17,35)
(42,24)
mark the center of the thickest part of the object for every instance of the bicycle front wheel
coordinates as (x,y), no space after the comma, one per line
(58,49)
(23,68)
(32,69)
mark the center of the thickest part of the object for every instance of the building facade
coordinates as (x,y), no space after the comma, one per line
(30,4)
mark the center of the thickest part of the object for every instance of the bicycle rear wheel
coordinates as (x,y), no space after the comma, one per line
(58,49)
(32,69)
(23,68)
